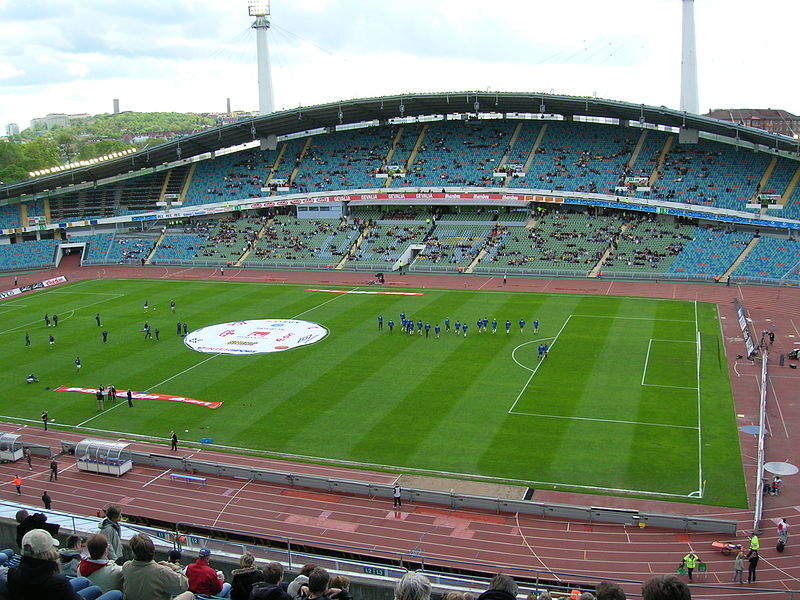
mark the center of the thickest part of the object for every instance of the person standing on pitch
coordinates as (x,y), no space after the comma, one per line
(130,399)
(173,440)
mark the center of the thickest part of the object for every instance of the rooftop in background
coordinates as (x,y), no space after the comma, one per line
(769,119)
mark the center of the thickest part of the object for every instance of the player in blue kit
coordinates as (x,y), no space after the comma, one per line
(437,330)
(402,316)
(380,321)
(485,323)
(522,325)
(480,325)
(508,326)
(546,350)
(541,351)
(465,329)
(447,324)
(419,326)
(427,329)
(391,325)
(458,327)
(410,326)
(494,325)
(535,326)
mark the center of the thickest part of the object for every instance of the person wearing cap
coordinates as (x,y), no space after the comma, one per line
(37,576)
(205,580)
(145,579)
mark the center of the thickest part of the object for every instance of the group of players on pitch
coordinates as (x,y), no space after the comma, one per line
(408,326)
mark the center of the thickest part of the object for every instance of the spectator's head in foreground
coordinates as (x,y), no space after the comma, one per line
(142,547)
(38,543)
(608,590)
(665,587)
(273,572)
(412,586)
(97,545)
(318,581)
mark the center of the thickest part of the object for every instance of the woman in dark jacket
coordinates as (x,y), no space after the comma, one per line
(245,577)
(37,576)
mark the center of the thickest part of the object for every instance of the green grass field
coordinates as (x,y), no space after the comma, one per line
(614,408)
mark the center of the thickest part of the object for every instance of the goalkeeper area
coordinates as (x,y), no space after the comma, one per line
(632,396)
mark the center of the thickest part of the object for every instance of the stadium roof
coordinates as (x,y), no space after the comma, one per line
(384,108)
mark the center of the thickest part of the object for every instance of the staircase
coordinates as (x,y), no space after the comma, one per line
(740,258)
(637,150)
(662,156)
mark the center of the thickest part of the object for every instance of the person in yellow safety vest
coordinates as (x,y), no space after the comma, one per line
(690,562)
(754,543)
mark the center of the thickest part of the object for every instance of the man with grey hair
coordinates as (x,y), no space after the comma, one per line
(412,586)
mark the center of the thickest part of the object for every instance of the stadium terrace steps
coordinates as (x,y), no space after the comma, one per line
(772,258)
(739,259)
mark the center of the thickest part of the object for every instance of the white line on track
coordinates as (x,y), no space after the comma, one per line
(156,478)
(233,497)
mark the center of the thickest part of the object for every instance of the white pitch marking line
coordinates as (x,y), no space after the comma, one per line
(593,419)
(527,383)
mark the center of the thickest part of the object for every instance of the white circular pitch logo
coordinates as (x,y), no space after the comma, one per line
(255,337)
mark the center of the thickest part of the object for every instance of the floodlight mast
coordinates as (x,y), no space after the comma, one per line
(689,99)
(260,10)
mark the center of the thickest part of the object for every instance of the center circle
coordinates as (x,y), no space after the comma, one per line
(255,337)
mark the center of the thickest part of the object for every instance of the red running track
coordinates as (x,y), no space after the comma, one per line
(498,541)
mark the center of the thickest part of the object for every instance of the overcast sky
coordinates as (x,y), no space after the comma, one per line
(75,56)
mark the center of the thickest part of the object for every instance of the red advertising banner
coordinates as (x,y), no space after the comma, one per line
(121,395)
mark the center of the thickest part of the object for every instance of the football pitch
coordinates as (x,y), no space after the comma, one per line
(632,396)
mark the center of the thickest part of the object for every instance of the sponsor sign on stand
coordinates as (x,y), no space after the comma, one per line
(255,337)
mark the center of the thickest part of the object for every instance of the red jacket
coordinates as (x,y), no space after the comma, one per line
(202,578)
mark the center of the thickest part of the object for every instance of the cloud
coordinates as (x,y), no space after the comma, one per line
(67,56)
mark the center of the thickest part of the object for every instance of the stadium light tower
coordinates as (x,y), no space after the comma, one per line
(689,100)
(260,10)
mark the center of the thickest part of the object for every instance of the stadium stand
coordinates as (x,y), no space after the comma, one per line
(711,252)
(710,174)
(178,248)
(24,255)
(647,245)
(317,241)
(97,245)
(10,216)
(772,258)
(126,248)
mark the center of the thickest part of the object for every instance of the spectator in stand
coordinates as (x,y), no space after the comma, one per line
(340,588)
(270,588)
(37,576)
(35,521)
(205,580)
(665,587)
(294,587)
(102,572)
(608,590)
(110,528)
(174,556)
(318,585)
(145,579)
(70,556)
(501,587)
(244,577)
(412,586)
